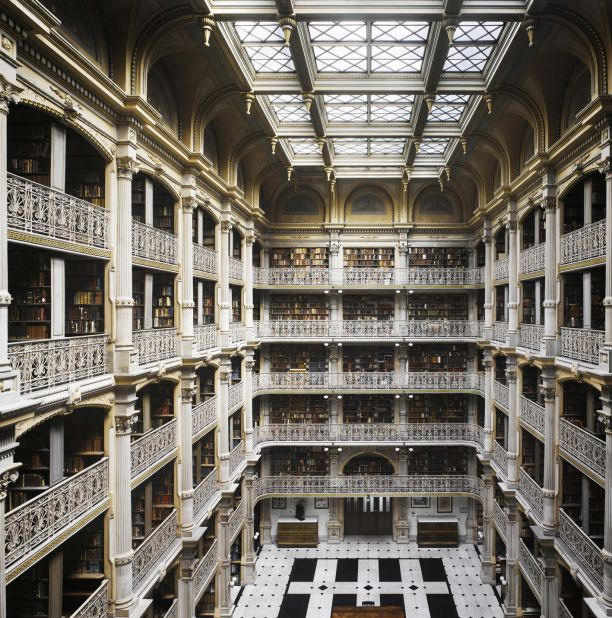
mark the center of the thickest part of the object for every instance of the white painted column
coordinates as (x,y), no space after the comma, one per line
(550,273)
(512,276)
(551,432)
(512,433)
(336,260)
(488,280)
(512,548)
(247,406)
(488,401)
(249,239)
(487,557)
(224,600)
(248,572)
(401,259)
(224,298)
(188,203)
(606,168)
(223,437)
(185,450)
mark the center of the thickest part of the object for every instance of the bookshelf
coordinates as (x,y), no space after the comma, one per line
(235,559)
(597,497)
(529,304)
(298,460)
(480,305)
(368,408)
(256,305)
(84,297)
(139,198)
(208,231)
(165,592)
(572,300)
(29,145)
(236,245)
(537,217)
(85,175)
(367,257)
(163,300)
(571,492)
(528,453)
(368,464)
(598,197)
(138,294)
(83,439)
(298,409)
(573,208)
(435,357)
(298,358)
(206,302)
(598,292)
(501,421)
(438,307)
(141,520)
(368,307)
(299,257)
(205,377)
(29,314)
(368,359)
(236,427)
(450,408)
(437,257)
(162,403)
(163,209)
(206,605)
(298,307)
(203,453)
(163,494)
(33,452)
(28,595)
(236,293)
(500,304)
(450,460)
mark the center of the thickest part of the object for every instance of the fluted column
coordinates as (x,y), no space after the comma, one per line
(401,259)
(487,239)
(185,448)
(247,406)
(606,168)
(224,300)
(248,572)
(336,260)
(186,242)
(551,421)
(512,543)
(224,601)
(487,560)
(249,239)
(488,402)
(512,438)
(550,272)
(223,438)
(512,276)
(471,523)
(550,582)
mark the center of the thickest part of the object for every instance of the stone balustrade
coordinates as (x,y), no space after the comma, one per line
(236,269)
(500,457)
(501,269)
(237,332)
(236,457)
(501,520)
(236,520)
(500,332)
(235,395)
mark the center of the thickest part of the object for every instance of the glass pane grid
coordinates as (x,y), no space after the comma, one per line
(347,113)
(369,108)
(467,59)
(270,59)
(433,146)
(289,108)
(446,113)
(258,31)
(478,31)
(369,146)
(350,145)
(304,146)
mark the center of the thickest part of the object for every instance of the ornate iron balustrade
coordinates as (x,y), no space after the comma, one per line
(501,520)
(500,456)
(152,447)
(583,446)
(368,276)
(236,519)
(586,243)
(500,331)
(532,493)
(587,553)
(367,329)
(205,337)
(236,270)
(38,522)
(501,394)
(533,259)
(96,606)
(203,492)
(284,381)
(433,433)
(530,336)
(441,329)
(36,209)
(151,243)
(582,344)
(481,382)
(368,380)
(172,610)
(203,414)
(293,329)
(148,554)
(205,570)
(501,269)
(563,611)
(532,413)
(237,332)
(291,276)
(234,395)
(474,276)
(439,380)
(375,484)
(236,457)
(52,362)
(438,276)
(155,344)
(204,259)
(531,569)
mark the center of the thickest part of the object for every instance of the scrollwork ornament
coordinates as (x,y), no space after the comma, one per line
(123,424)
(226,226)
(9,94)
(334,247)
(127,167)
(188,393)
(511,375)
(224,377)
(6,478)
(402,246)
(249,365)
(5,298)
(188,204)
(606,167)
(549,393)
(550,203)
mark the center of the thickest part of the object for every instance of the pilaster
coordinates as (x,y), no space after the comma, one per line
(551,432)
(512,544)
(224,601)
(513,403)
(249,240)
(511,224)
(487,557)
(487,239)
(549,198)
(488,401)
(185,447)
(606,168)
(247,407)
(188,204)
(248,572)
(223,437)
(224,299)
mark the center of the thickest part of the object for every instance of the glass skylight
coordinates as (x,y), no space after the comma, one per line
(264,44)
(474,42)
(433,145)
(304,146)
(369,146)
(369,108)
(289,108)
(448,108)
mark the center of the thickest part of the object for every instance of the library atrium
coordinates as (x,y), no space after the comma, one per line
(305,308)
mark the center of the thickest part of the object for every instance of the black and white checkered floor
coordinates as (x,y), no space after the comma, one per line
(428,583)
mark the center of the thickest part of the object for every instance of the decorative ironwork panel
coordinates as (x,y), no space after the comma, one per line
(151,243)
(450,329)
(205,570)
(584,549)
(205,337)
(155,344)
(152,447)
(235,395)
(532,569)
(500,457)
(291,276)
(583,446)
(582,344)
(368,380)
(44,517)
(501,269)
(236,519)
(533,259)
(530,336)
(474,276)
(203,415)
(52,362)
(533,414)
(439,380)
(204,259)
(435,276)
(368,276)
(366,329)
(586,243)
(148,554)
(237,332)
(532,493)
(236,270)
(96,606)
(236,457)
(501,394)
(202,493)
(281,381)
(293,329)
(500,331)
(501,520)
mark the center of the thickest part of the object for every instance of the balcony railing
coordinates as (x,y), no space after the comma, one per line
(205,337)
(236,270)
(293,329)
(532,413)
(235,395)
(441,329)
(52,362)
(236,457)
(532,493)
(586,243)
(155,344)
(291,276)
(417,433)
(237,332)
(202,493)
(36,209)
(583,446)
(373,484)
(500,457)
(501,269)
(441,276)
(152,447)
(151,243)
(236,519)
(69,505)
(149,553)
(500,332)
(205,570)
(96,606)
(533,259)
(563,611)
(501,520)
(203,414)
(530,336)
(368,276)
(172,610)
(204,259)
(531,569)
(586,552)
(501,394)
(582,344)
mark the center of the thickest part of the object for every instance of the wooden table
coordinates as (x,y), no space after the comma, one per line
(368,612)
(437,531)
(292,532)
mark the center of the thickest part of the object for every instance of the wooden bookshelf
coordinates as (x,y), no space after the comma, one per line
(84,562)
(571,492)
(162,403)
(206,605)
(597,502)
(368,464)
(528,304)
(235,559)
(448,408)
(138,294)
(598,292)
(236,427)
(28,594)
(206,302)
(299,460)
(368,408)
(368,307)
(500,304)
(29,145)
(163,300)
(236,245)
(139,198)
(449,460)
(163,494)
(298,358)
(573,208)
(480,305)
(163,209)
(85,173)
(368,257)
(438,307)
(33,452)
(236,293)
(84,297)
(436,357)
(29,314)
(203,454)
(205,379)
(572,300)
(367,359)
(298,409)
(299,307)
(437,257)
(299,257)
(83,439)
(141,521)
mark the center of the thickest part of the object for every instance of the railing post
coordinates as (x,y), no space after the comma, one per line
(188,203)
(185,449)
(550,273)
(487,560)
(336,260)
(488,280)
(512,420)
(512,338)
(248,572)
(606,167)
(551,422)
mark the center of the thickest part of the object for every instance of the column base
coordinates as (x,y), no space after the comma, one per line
(248,573)
(265,531)
(487,572)
(401,532)
(335,533)
(136,610)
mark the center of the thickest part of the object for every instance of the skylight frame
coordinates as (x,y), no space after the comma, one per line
(474,42)
(369,108)
(369,146)
(264,44)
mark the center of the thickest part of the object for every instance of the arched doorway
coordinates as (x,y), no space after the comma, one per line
(369,515)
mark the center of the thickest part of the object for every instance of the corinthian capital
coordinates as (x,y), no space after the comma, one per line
(9,93)
(6,478)
(127,167)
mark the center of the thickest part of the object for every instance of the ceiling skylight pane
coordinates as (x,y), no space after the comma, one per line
(467,58)
(433,146)
(341,59)
(445,113)
(389,145)
(396,58)
(337,31)
(478,31)
(350,146)
(331,99)
(347,113)
(304,146)
(270,59)
(392,98)
(258,31)
(452,98)
(400,31)
(390,113)
(289,108)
